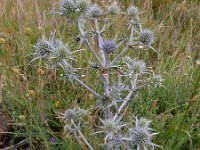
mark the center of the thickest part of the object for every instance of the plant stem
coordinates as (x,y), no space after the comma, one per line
(87,87)
(64,66)
(100,42)
(93,52)
(82,136)
(118,56)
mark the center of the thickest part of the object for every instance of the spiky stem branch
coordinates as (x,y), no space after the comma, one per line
(81,135)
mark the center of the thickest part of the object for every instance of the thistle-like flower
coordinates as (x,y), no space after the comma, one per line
(154,80)
(109,46)
(111,127)
(140,136)
(43,48)
(114,9)
(132,11)
(83,5)
(67,7)
(80,113)
(142,123)
(69,114)
(62,51)
(94,11)
(146,37)
(134,66)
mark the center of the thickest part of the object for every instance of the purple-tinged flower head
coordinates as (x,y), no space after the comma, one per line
(52,140)
(109,46)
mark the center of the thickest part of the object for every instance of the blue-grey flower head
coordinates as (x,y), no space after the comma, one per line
(146,37)
(132,11)
(109,46)
(114,9)
(62,51)
(67,7)
(94,11)
(134,66)
(140,136)
(142,123)
(43,48)
(80,113)
(83,5)
(69,114)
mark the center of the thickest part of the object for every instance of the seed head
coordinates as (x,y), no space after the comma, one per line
(109,46)
(146,37)
(67,7)
(94,11)
(132,11)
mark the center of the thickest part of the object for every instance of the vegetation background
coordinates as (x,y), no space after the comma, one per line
(31,95)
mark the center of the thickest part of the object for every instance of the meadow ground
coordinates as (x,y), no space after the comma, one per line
(31,95)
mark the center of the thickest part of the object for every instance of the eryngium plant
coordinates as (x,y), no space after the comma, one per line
(121,78)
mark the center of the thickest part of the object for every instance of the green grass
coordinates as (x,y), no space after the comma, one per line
(173,108)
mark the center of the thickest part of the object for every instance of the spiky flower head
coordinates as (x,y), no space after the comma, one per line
(140,136)
(142,123)
(134,66)
(62,51)
(67,7)
(83,5)
(154,80)
(114,9)
(132,11)
(94,11)
(43,48)
(157,79)
(110,126)
(146,37)
(69,114)
(80,113)
(109,46)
